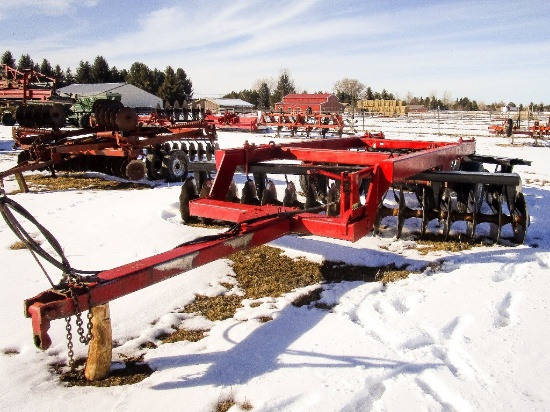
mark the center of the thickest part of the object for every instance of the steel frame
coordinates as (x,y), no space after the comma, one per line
(372,158)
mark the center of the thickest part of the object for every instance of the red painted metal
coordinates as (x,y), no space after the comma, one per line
(233,121)
(111,284)
(380,161)
(25,85)
(381,168)
(303,121)
(48,147)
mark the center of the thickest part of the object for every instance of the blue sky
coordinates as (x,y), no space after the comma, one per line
(486,50)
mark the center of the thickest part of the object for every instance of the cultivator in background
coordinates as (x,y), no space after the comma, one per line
(17,87)
(345,183)
(510,128)
(234,121)
(303,122)
(115,143)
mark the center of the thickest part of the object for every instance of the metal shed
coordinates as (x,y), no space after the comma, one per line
(131,96)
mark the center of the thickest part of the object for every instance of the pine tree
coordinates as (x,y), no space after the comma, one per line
(46,68)
(285,86)
(264,96)
(186,85)
(169,89)
(84,72)
(139,75)
(25,62)
(100,72)
(7,58)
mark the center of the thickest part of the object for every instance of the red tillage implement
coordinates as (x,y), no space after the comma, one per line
(447,178)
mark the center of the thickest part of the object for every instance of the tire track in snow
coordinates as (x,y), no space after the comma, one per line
(433,387)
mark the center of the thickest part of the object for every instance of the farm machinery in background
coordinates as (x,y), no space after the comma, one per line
(19,87)
(292,123)
(304,122)
(234,121)
(346,182)
(510,128)
(114,143)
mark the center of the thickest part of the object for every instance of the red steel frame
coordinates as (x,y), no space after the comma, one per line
(382,168)
(304,121)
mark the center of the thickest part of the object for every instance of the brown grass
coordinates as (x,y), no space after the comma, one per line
(18,245)
(77,181)
(215,308)
(183,335)
(134,371)
(225,403)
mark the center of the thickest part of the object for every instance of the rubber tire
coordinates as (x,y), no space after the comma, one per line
(154,167)
(175,166)
(8,119)
(509,127)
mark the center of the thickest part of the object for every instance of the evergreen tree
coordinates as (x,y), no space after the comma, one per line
(46,68)
(59,76)
(264,96)
(157,78)
(140,76)
(84,72)
(369,95)
(7,58)
(25,62)
(69,77)
(116,76)
(170,87)
(285,85)
(100,72)
(186,85)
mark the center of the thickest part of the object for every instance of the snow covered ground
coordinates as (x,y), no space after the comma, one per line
(469,335)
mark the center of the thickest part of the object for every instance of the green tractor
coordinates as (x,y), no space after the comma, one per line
(82,108)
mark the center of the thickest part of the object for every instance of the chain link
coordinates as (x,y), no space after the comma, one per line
(70,352)
(83,335)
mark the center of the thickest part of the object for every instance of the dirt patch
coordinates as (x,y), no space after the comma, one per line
(261,272)
(215,308)
(183,335)
(133,370)
(77,181)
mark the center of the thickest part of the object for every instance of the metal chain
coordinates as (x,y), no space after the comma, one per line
(70,352)
(83,336)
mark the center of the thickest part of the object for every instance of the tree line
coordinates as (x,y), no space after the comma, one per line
(174,85)
(170,85)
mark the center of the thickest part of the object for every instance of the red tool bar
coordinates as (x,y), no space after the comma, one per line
(120,281)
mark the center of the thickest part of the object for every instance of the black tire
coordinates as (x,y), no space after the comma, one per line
(175,166)
(154,167)
(8,119)
(509,127)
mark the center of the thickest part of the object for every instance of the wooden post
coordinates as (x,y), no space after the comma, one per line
(21,181)
(101,345)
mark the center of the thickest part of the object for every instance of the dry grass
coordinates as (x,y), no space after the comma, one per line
(265,271)
(225,403)
(77,181)
(215,308)
(183,335)
(134,371)
(436,243)
(18,245)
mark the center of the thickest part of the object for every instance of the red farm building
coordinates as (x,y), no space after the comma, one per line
(319,103)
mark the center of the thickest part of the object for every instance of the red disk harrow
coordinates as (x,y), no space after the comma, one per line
(345,183)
